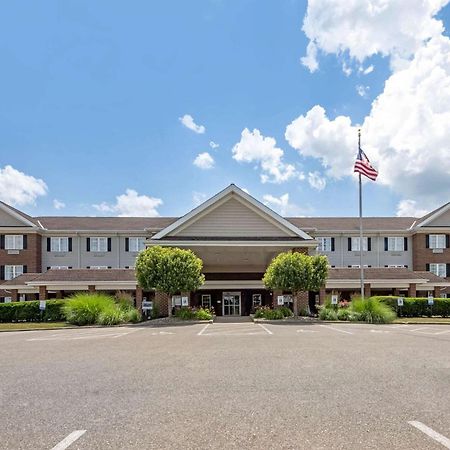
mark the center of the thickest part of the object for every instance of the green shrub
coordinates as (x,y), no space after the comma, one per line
(84,308)
(328,313)
(132,316)
(110,316)
(265,312)
(30,312)
(154,313)
(417,306)
(203,314)
(185,313)
(348,314)
(372,310)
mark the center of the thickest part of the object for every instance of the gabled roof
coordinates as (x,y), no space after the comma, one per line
(27,220)
(229,192)
(425,220)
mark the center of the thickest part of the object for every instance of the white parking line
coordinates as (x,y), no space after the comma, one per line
(114,335)
(431,433)
(203,329)
(265,328)
(68,440)
(336,329)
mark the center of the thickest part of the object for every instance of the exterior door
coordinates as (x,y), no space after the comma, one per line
(231,302)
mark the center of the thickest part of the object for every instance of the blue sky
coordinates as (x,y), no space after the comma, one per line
(92,93)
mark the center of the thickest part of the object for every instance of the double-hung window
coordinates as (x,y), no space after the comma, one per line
(438,269)
(14,242)
(355,244)
(437,241)
(13,271)
(325,244)
(206,301)
(256,300)
(395,243)
(59,244)
(99,244)
(136,244)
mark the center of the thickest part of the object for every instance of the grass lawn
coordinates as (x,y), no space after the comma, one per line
(32,325)
(430,320)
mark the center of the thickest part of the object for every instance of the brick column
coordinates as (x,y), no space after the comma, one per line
(303,301)
(436,292)
(139,295)
(367,290)
(322,296)
(91,289)
(275,294)
(412,292)
(14,295)
(42,292)
(164,303)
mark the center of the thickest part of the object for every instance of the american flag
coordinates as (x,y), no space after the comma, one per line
(363,166)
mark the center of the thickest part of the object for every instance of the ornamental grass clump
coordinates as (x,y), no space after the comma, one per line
(101,309)
(371,310)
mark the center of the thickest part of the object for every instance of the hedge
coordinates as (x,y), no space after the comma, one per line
(418,306)
(30,312)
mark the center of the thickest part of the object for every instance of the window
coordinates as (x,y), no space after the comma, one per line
(437,241)
(355,244)
(256,300)
(59,244)
(98,244)
(7,299)
(395,244)
(357,266)
(395,266)
(325,244)
(206,301)
(13,272)
(438,269)
(59,267)
(98,267)
(14,242)
(136,244)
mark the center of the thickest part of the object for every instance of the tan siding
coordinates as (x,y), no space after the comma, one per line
(232,219)
(443,220)
(8,221)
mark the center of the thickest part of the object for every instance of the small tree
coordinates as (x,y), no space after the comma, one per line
(169,270)
(296,272)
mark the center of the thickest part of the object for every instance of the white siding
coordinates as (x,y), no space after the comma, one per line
(8,221)
(443,220)
(232,219)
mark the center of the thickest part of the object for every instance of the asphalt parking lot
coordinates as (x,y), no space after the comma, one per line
(227,385)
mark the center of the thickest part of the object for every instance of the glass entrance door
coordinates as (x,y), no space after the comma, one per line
(231,302)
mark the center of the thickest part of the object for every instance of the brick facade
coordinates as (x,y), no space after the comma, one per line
(31,257)
(423,255)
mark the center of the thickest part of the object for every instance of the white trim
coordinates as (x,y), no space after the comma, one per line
(231,243)
(230,190)
(439,212)
(17,216)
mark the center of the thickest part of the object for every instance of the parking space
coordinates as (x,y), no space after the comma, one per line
(224,385)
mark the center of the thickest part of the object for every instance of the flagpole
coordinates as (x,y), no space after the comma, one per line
(360,226)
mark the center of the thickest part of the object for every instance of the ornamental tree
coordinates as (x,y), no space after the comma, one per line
(169,270)
(296,272)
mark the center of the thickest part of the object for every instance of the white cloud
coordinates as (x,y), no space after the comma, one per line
(131,204)
(362,90)
(367,70)
(58,204)
(204,161)
(362,28)
(213,145)
(410,208)
(316,181)
(333,142)
(282,205)
(188,121)
(406,134)
(254,147)
(19,189)
(346,69)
